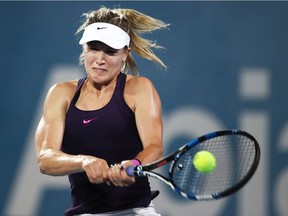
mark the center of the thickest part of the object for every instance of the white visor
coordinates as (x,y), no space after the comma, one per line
(107,33)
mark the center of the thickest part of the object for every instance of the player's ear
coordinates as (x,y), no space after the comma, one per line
(126,52)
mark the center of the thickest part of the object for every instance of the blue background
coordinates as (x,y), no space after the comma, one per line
(208,46)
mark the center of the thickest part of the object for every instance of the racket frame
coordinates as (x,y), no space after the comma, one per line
(146,170)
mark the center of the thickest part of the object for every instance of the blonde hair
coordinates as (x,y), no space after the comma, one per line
(134,23)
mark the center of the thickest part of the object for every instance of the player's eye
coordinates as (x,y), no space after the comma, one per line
(111,52)
(94,48)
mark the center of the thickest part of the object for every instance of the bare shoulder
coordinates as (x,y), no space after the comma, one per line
(138,84)
(63,89)
(139,91)
(61,93)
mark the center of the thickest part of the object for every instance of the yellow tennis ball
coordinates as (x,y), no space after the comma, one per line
(204,161)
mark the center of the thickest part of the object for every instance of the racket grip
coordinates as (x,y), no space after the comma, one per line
(130,171)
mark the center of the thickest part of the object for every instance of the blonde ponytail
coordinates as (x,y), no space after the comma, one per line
(134,23)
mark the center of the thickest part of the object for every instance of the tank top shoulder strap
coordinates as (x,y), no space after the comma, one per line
(120,85)
(79,86)
(80,83)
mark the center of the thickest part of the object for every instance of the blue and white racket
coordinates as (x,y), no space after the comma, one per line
(237,154)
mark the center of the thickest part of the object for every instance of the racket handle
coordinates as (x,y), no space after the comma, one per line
(130,171)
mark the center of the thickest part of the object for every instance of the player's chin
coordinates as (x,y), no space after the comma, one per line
(96,78)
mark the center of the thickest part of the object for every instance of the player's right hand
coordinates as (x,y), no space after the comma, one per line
(96,169)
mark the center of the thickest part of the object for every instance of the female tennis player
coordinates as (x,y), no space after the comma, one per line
(95,127)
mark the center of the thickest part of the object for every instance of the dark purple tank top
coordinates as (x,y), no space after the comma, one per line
(109,133)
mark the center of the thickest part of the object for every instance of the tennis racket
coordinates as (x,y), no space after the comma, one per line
(237,154)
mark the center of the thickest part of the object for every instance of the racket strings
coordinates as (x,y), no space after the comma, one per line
(234,155)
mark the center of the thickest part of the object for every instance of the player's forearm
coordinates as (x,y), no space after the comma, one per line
(57,163)
(151,153)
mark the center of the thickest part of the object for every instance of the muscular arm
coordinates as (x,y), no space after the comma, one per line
(147,108)
(49,134)
(143,99)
